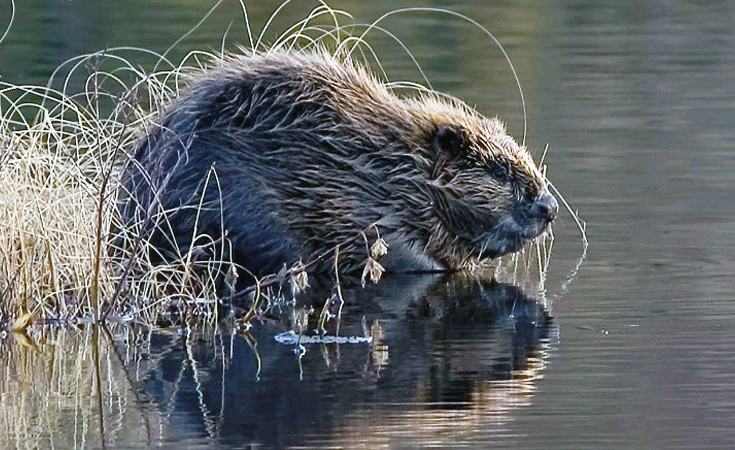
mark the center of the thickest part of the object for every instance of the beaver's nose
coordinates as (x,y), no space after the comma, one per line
(545,207)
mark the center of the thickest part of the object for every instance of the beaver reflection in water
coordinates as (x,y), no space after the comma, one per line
(292,153)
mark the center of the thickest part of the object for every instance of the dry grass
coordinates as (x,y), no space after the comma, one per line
(59,160)
(51,172)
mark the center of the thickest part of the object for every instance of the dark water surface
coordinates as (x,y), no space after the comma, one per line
(636,101)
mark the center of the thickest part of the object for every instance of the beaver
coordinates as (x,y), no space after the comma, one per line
(285,155)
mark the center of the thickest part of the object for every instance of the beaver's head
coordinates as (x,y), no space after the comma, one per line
(461,188)
(485,189)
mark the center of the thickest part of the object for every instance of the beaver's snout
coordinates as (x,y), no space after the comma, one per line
(533,217)
(544,207)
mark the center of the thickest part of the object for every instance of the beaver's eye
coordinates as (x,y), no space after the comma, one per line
(499,172)
(450,139)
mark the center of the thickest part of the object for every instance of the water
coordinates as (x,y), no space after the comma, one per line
(635,101)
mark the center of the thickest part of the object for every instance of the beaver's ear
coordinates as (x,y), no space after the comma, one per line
(450,139)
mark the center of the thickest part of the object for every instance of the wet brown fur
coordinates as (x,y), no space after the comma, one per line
(311,150)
